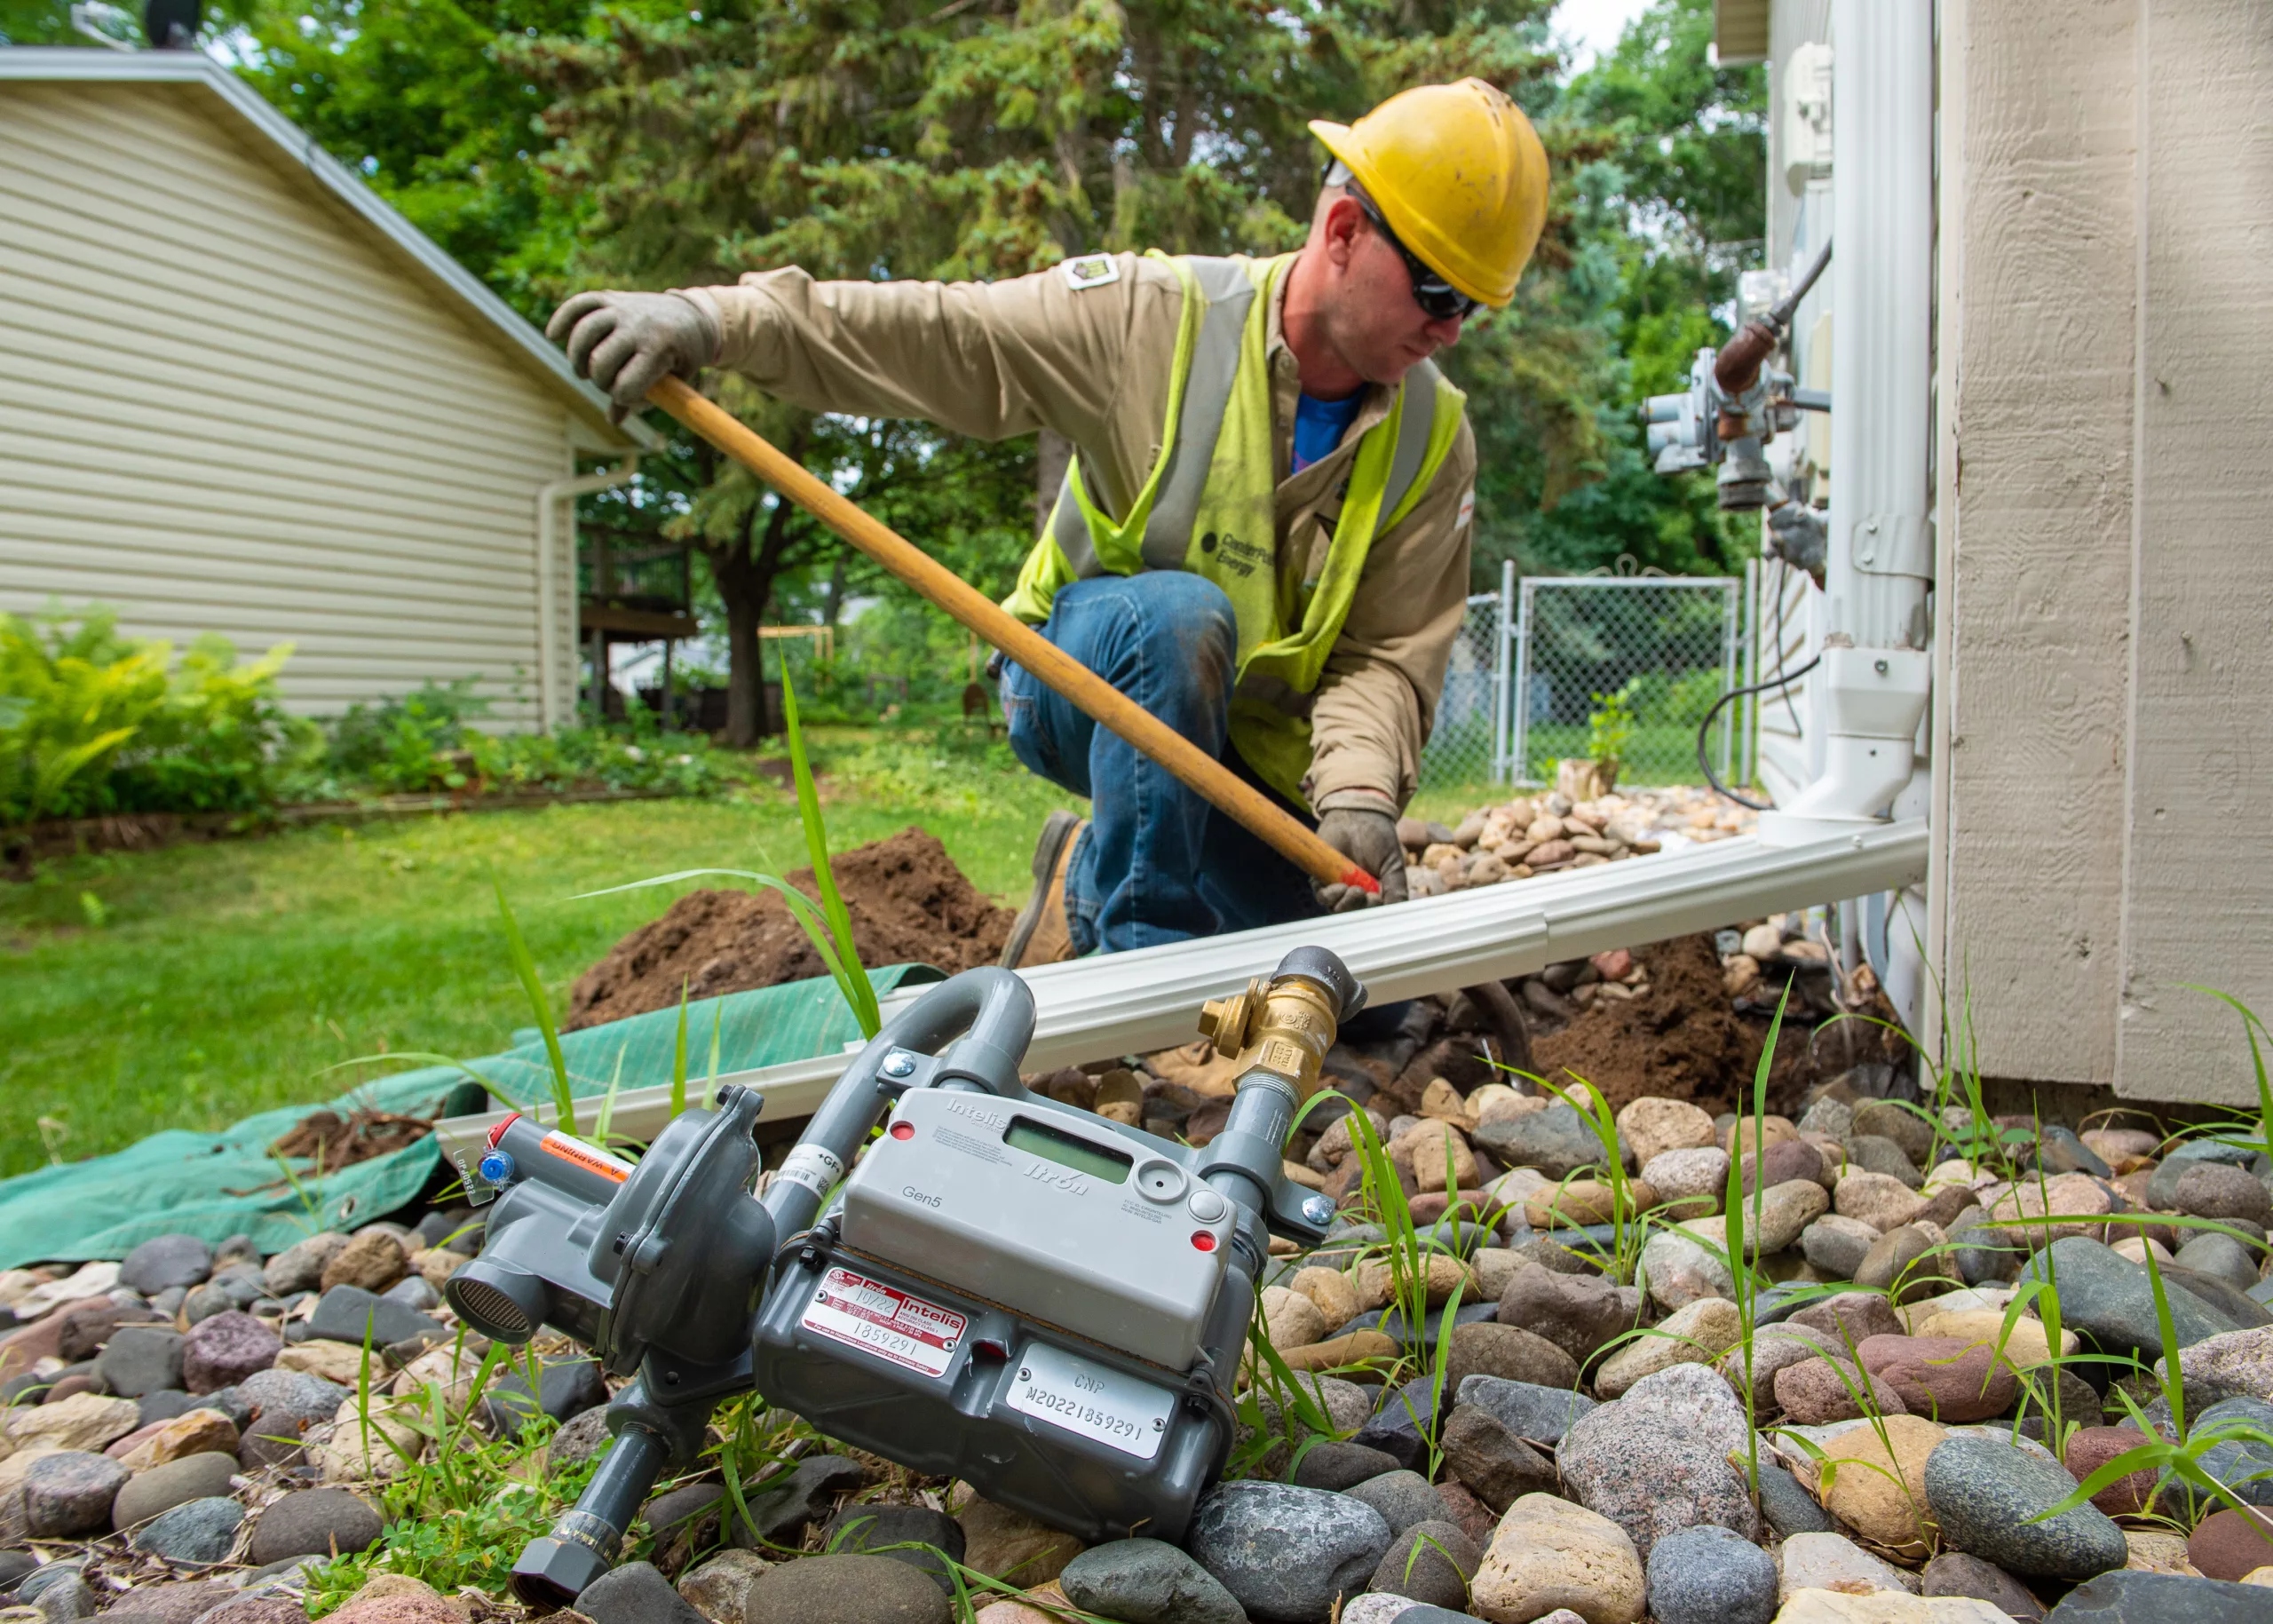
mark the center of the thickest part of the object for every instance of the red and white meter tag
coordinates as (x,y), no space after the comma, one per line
(885,1320)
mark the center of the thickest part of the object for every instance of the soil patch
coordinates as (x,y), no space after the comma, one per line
(1679,1041)
(908,901)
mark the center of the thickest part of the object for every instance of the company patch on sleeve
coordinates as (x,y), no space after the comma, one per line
(1090,271)
(1467,507)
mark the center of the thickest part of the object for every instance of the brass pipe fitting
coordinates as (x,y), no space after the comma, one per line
(1283,1026)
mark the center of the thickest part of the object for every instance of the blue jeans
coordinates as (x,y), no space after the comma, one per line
(1157,863)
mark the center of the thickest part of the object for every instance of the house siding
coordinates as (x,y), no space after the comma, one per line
(224,409)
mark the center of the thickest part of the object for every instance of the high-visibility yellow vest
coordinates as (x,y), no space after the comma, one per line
(1215,515)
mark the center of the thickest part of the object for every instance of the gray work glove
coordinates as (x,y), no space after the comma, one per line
(1369,840)
(625,342)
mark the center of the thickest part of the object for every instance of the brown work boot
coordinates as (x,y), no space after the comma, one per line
(1040,935)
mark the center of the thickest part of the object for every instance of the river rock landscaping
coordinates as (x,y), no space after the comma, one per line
(1534,1374)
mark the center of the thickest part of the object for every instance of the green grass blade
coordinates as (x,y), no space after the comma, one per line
(678,1057)
(853,979)
(524,967)
(717,1031)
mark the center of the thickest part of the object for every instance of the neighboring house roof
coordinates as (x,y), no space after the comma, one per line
(298,153)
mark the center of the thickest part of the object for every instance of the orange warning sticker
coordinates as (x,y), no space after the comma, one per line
(558,1143)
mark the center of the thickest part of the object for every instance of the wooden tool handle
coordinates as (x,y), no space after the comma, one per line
(1199,772)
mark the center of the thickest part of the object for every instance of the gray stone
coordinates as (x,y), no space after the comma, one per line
(30,1585)
(313,1522)
(1542,1415)
(281,1405)
(2058,1150)
(177,1603)
(223,1351)
(2220,1256)
(581,1441)
(1984,1255)
(2134,1597)
(2221,1297)
(1400,1419)
(242,1282)
(202,1302)
(346,1313)
(1874,1154)
(1657,1459)
(1579,1313)
(413,1293)
(139,1360)
(1710,1575)
(779,1516)
(872,1528)
(1339,1466)
(1955,1573)
(1403,1498)
(1556,1141)
(1147,1582)
(2242,1464)
(68,1598)
(14,1564)
(197,1531)
(2210,1190)
(849,1589)
(70,1492)
(565,1388)
(151,1493)
(299,1267)
(1982,1492)
(1287,1554)
(167,1402)
(2109,1298)
(1909,1132)
(635,1594)
(1787,1508)
(2162,1188)
(167,1261)
(691,1511)
(1836,1246)
(1431,1563)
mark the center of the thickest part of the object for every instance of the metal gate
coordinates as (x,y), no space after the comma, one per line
(1468,746)
(1648,652)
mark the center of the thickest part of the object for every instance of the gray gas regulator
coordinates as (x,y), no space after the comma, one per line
(1044,1303)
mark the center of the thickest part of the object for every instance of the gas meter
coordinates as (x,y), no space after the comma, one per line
(1047,1304)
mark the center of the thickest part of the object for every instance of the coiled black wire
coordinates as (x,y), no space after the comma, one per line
(1783,680)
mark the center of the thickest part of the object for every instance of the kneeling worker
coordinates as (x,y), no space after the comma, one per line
(1263,536)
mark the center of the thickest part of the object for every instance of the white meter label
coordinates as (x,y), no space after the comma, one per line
(1092,1399)
(886,1321)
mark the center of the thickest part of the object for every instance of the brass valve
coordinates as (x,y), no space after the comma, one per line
(1283,1026)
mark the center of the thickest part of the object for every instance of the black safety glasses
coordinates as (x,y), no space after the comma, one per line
(1438,299)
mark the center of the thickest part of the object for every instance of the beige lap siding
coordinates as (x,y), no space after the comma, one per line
(222,408)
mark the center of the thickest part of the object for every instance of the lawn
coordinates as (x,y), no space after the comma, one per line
(222,980)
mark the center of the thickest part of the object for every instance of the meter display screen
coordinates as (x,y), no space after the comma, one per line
(1067,1152)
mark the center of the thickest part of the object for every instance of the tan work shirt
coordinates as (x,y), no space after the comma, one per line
(991,360)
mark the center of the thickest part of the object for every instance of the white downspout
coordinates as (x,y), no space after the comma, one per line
(1876,674)
(548,497)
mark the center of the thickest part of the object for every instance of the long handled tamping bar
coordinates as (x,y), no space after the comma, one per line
(1199,772)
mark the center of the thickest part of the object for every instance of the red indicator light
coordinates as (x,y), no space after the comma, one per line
(1202,1242)
(903,1130)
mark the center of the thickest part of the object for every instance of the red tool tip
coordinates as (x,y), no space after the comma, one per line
(1363,881)
(498,1132)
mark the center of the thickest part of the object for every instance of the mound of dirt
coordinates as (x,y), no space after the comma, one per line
(1680,1042)
(910,904)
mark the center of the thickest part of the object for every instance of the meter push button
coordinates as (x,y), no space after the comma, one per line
(1206,1206)
(1160,1180)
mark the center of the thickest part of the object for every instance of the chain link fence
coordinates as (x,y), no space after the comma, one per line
(1643,656)
(1468,744)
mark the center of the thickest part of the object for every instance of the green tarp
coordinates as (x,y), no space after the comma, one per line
(217,1185)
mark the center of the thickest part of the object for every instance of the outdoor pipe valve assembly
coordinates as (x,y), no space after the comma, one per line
(948,1269)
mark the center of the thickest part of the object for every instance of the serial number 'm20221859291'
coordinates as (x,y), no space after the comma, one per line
(1094,1401)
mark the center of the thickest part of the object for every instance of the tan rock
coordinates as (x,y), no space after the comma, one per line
(1310,1179)
(1505,1106)
(1329,1290)
(2154,1551)
(1581,1201)
(1833,1562)
(2027,1343)
(83,1421)
(1882,1494)
(2258,1576)
(1430,1151)
(2068,1195)
(1763,941)
(1548,1553)
(397,1598)
(1739,974)
(1652,1127)
(374,1260)
(1355,1349)
(1695,1333)
(1441,1101)
(1375,1284)
(449,1368)
(337,1362)
(1291,1320)
(2135,1247)
(718,1588)
(1883,1607)
(192,1432)
(436,1264)
(1045,1605)
(377,1449)
(1011,1546)
(1752,1135)
(1879,1200)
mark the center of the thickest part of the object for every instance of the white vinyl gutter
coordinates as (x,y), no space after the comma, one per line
(1149,999)
(549,498)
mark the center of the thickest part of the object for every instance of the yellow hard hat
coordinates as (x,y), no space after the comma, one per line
(1459,174)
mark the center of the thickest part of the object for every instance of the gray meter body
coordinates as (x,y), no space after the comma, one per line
(948,1269)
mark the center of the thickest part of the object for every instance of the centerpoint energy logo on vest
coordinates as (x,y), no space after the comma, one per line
(1215,485)
(1091,271)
